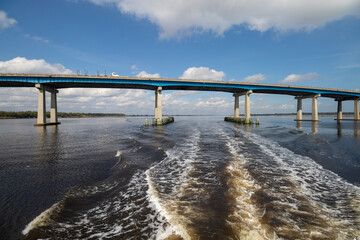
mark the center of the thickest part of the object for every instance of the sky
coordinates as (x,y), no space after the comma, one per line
(294,42)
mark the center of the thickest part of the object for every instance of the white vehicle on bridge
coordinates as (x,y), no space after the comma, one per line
(113,74)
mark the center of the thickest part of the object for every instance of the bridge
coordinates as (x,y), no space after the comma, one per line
(52,83)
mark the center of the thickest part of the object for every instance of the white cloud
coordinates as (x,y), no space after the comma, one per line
(18,99)
(6,22)
(100,104)
(96,92)
(262,107)
(181,18)
(184,93)
(132,100)
(36,38)
(148,75)
(202,73)
(287,106)
(214,102)
(296,77)
(83,99)
(255,78)
(106,100)
(349,66)
(23,65)
(134,67)
(172,101)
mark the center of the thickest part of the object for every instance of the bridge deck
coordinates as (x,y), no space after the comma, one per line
(82,81)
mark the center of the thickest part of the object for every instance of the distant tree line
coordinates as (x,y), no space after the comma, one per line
(305,113)
(32,114)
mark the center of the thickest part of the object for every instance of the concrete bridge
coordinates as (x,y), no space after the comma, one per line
(51,83)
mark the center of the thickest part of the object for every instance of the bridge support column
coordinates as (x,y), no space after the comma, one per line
(41,114)
(356,110)
(158,107)
(236,105)
(53,110)
(247,104)
(299,109)
(315,115)
(339,111)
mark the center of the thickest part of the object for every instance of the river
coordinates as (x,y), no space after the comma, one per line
(196,178)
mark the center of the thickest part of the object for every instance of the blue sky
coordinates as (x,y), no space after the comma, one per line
(299,42)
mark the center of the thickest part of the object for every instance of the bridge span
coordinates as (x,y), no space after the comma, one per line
(52,83)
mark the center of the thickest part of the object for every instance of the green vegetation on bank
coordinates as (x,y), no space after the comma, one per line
(32,114)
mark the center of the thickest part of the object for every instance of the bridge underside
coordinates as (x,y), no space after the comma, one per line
(60,85)
(51,83)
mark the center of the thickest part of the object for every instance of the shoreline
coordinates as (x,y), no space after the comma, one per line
(120,115)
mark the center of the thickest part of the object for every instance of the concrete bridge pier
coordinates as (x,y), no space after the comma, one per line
(158,107)
(41,115)
(356,110)
(339,111)
(236,105)
(315,114)
(299,109)
(247,104)
(53,109)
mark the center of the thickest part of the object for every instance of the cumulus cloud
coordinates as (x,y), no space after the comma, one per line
(181,18)
(148,75)
(255,78)
(106,100)
(296,77)
(6,22)
(184,93)
(18,99)
(214,102)
(202,73)
(23,65)
(96,92)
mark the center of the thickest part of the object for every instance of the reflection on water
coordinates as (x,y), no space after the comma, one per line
(41,143)
(41,131)
(356,128)
(54,129)
(314,127)
(339,128)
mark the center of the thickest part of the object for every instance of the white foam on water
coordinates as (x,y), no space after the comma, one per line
(132,203)
(43,219)
(148,207)
(130,209)
(175,227)
(244,217)
(168,182)
(313,192)
(118,153)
